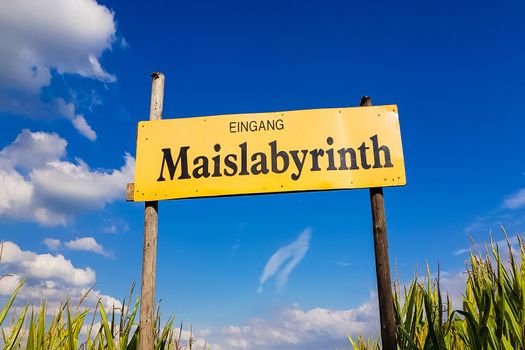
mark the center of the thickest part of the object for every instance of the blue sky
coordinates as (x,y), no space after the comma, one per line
(74,82)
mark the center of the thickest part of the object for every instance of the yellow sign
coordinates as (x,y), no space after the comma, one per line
(318,149)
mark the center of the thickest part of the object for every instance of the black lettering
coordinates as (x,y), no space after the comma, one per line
(362,151)
(353,158)
(217,162)
(232,127)
(298,163)
(386,151)
(230,164)
(330,154)
(281,154)
(202,169)
(244,126)
(261,166)
(316,153)
(278,161)
(168,160)
(244,159)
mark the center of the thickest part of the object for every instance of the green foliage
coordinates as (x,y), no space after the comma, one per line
(492,315)
(67,330)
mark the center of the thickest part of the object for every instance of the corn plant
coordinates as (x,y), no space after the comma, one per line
(63,331)
(364,344)
(492,315)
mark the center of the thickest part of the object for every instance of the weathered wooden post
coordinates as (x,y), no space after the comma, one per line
(384,283)
(151,218)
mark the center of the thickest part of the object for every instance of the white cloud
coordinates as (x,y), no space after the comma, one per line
(510,214)
(513,241)
(15,192)
(79,122)
(38,37)
(36,184)
(453,284)
(44,266)
(294,328)
(75,187)
(52,243)
(49,277)
(462,251)
(68,111)
(88,244)
(515,200)
(285,259)
(9,284)
(124,45)
(107,301)
(54,293)
(111,228)
(33,150)
(94,328)
(112,225)
(68,35)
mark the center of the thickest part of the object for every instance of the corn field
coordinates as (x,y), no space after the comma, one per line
(492,315)
(117,329)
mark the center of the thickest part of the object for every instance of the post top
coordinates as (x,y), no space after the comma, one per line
(365,101)
(156,75)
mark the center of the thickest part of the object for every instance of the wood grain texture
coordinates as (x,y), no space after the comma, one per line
(130,190)
(149,253)
(384,283)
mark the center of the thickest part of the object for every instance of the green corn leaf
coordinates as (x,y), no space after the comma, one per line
(506,344)
(41,327)
(30,345)
(107,328)
(127,328)
(6,308)
(12,340)
(70,332)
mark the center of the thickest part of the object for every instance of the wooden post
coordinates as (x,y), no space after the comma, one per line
(384,283)
(149,253)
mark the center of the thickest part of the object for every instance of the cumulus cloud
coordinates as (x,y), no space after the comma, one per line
(34,291)
(32,150)
(68,35)
(37,184)
(285,259)
(38,38)
(87,244)
(295,328)
(44,266)
(49,277)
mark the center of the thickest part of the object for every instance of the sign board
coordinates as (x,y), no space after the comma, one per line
(318,149)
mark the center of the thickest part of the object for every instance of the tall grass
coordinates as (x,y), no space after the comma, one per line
(492,315)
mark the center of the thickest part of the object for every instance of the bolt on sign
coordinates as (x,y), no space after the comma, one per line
(305,150)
